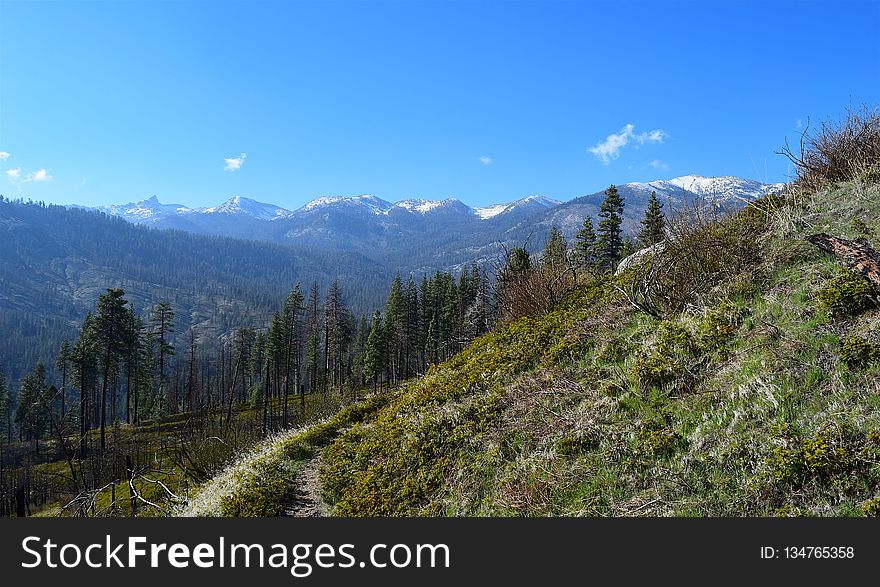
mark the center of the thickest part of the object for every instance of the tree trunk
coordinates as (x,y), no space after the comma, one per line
(104,398)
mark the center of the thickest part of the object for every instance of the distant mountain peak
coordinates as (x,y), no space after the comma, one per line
(722,189)
(367,201)
(248,207)
(533,201)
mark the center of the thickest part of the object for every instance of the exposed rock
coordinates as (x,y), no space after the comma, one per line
(640,256)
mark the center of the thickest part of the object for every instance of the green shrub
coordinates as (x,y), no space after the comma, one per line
(718,326)
(663,442)
(856,351)
(836,455)
(577,442)
(845,295)
(871,507)
(656,369)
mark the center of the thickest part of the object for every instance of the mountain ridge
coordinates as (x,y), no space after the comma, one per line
(422,236)
(151,210)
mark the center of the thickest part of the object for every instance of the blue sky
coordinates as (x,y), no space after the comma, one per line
(110,102)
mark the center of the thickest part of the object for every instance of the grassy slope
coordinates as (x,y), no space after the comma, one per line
(765,402)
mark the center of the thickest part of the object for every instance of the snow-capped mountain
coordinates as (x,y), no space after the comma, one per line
(722,190)
(424,235)
(247,207)
(366,202)
(146,211)
(532,202)
(152,211)
(379,207)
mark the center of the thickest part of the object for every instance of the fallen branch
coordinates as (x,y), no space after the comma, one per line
(857,254)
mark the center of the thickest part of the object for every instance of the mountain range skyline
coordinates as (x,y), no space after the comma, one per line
(153,209)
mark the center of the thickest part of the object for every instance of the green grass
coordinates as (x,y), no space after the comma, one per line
(749,406)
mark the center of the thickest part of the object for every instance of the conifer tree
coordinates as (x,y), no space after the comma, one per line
(62,363)
(5,411)
(31,412)
(609,241)
(85,370)
(359,351)
(585,245)
(653,224)
(556,250)
(374,354)
(113,336)
(162,322)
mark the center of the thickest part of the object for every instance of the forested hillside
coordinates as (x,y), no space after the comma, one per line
(732,369)
(55,261)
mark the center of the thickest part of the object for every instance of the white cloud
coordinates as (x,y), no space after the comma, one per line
(41,175)
(486,160)
(234,163)
(4,155)
(14,175)
(798,123)
(609,149)
(658,164)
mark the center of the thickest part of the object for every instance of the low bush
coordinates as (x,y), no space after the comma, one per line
(856,352)
(845,295)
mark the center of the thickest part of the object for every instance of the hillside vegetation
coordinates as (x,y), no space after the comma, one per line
(746,385)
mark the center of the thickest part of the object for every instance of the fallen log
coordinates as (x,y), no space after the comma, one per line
(857,254)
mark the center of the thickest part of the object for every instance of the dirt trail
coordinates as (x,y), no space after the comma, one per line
(307,503)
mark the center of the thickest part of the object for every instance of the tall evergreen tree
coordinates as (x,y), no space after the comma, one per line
(162,323)
(374,355)
(609,241)
(585,245)
(312,334)
(653,224)
(31,414)
(113,336)
(85,370)
(62,364)
(359,351)
(396,328)
(5,411)
(292,319)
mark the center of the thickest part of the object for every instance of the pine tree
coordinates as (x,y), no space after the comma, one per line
(62,363)
(162,322)
(293,309)
(374,355)
(585,245)
(113,337)
(85,370)
(359,351)
(609,241)
(5,411)
(31,414)
(395,328)
(312,343)
(556,250)
(653,224)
